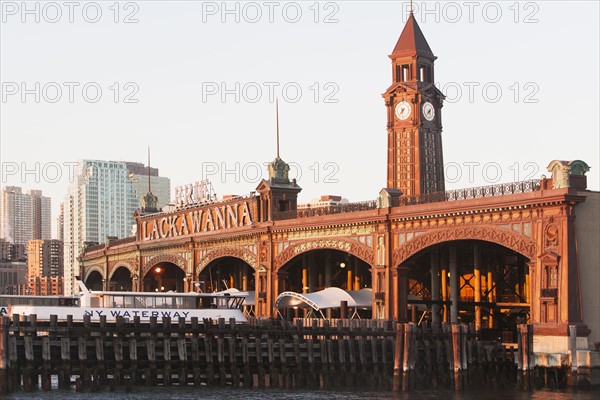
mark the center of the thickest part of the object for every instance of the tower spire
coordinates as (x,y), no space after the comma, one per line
(277,122)
(149,201)
(278,169)
(149,191)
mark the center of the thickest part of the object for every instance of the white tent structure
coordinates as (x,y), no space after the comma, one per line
(326,299)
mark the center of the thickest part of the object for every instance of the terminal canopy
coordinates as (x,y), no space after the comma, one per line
(325,299)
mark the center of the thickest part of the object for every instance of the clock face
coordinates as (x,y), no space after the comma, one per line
(403,110)
(428,111)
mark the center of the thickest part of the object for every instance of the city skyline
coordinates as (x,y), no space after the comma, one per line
(192,131)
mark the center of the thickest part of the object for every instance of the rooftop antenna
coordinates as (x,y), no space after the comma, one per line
(277,120)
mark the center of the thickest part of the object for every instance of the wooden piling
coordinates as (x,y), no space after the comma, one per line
(195,350)
(166,346)
(260,369)
(456,356)
(151,340)
(233,367)
(406,356)
(208,354)
(4,360)
(399,345)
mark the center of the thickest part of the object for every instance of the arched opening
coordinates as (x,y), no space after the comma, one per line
(164,277)
(226,273)
(229,273)
(316,270)
(94,281)
(470,281)
(120,280)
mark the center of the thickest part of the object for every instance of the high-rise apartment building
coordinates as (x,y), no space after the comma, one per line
(45,267)
(24,216)
(60,222)
(100,203)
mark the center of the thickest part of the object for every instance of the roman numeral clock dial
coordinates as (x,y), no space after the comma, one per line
(428,111)
(403,110)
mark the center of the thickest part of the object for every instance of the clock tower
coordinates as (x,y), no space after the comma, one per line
(415,159)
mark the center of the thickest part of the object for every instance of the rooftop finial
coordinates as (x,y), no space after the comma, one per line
(277,120)
(411,7)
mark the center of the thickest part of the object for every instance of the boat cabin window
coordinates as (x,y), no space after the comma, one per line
(149,301)
(39,301)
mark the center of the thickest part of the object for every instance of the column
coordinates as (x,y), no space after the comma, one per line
(357,280)
(349,283)
(305,286)
(435,285)
(328,270)
(477,278)
(321,279)
(281,277)
(534,307)
(453,264)
(304,279)
(490,291)
(244,287)
(444,283)
(527,288)
(236,275)
(402,293)
(307,261)
(521,278)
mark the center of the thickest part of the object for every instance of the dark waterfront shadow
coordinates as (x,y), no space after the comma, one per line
(205,393)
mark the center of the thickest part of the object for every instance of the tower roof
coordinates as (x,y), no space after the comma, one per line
(412,39)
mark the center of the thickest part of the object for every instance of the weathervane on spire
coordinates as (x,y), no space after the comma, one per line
(149,201)
(278,169)
(277,122)
(149,191)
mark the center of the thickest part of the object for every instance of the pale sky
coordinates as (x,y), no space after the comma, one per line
(521,80)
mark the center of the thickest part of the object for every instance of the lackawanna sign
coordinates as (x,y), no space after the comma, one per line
(197,220)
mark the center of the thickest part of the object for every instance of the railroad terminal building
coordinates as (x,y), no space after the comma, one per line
(493,256)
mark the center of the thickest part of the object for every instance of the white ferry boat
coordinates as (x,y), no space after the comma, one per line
(128,305)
